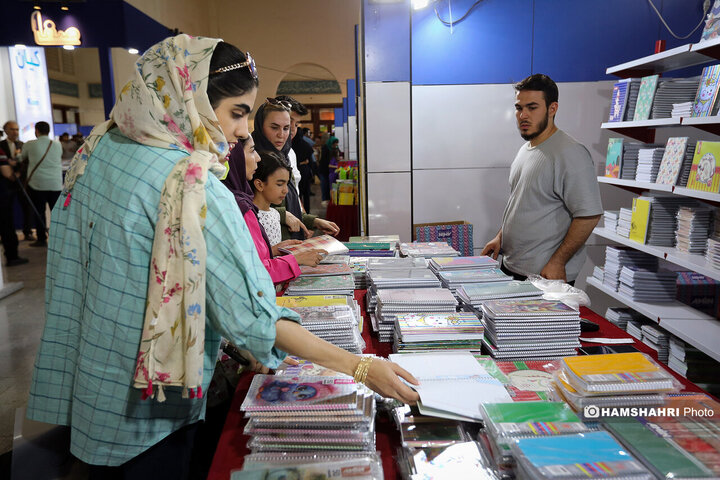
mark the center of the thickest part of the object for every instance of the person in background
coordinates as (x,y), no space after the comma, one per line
(271,134)
(69,148)
(328,157)
(146,236)
(554,194)
(308,138)
(44,177)
(8,237)
(299,153)
(12,146)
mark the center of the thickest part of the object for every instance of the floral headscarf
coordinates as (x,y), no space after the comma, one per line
(165,104)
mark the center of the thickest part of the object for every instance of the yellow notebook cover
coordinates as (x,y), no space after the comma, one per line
(610,363)
(311,300)
(705,169)
(639,220)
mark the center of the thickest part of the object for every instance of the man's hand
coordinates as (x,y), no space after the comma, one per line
(326,226)
(492,246)
(295,225)
(554,271)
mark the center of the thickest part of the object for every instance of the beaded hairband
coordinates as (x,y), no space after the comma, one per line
(250,63)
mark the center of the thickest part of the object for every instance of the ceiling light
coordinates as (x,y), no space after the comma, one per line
(69,47)
(19,45)
(418,4)
(133,51)
(64,8)
(37,7)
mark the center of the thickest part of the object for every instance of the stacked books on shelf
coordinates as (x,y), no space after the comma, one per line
(691,363)
(712,253)
(599,273)
(707,91)
(657,339)
(418,332)
(624,98)
(654,218)
(673,446)
(649,160)
(693,229)
(440,264)
(645,97)
(634,327)
(473,295)
(618,257)
(620,316)
(315,285)
(699,291)
(642,285)
(580,455)
(681,110)
(612,380)
(672,91)
(705,168)
(453,279)
(624,223)
(610,219)
(392,302)
(506,422)
(530,328)
(319,464)
(428,250)
(629,160)
(676,162)
(309,413)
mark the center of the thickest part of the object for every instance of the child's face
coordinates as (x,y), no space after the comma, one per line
(276,186)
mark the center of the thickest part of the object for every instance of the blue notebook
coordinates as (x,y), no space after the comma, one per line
(619,100)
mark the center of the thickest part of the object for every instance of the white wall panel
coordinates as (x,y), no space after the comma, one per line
(475,195)
(352,137)
(389,204)
(387,108)
(464,126)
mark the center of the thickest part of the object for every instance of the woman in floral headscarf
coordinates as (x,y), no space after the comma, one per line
(150,262)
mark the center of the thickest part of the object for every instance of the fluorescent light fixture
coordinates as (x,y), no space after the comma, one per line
(37,7)
(418,4)
(19,45)
(69,47)
(133,51)
(64,8)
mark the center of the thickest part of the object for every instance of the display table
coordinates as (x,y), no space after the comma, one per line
(232,448)
(346,217)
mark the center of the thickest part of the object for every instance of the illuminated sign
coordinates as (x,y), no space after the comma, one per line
(46,34)
(30,89)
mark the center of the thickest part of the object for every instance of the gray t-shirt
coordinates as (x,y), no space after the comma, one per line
(549,186)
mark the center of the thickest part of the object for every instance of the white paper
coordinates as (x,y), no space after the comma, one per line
(608,341)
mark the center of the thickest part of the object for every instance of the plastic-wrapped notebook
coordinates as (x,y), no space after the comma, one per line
(423,432)
(528,308)
(360,468)
(577,456)
(456,263)
(474,276)
(369,245)
(292,301)
(273,392)
(329,282)
(528,380)
(376,238)
(413,327)
(618,373)
(325,269)
(323,242)
(578,402)
(425,296)
(475,292)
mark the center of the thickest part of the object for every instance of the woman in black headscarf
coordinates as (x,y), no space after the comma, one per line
(271,134)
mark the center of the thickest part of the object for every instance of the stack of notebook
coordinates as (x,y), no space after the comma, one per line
(335,259)
(337,324)
(440,264)
(634,327)
(692,364)
(580,455)
(680,110)
(642,285)
(657,339)
(620,316)
(324,269)
(428,250)
(358,267)
(507,422)
(308,413)
(402,278)
(617,257)
(474,294)
(672,91)
(630,159)
(599,273)
(378,264)
(391,302)
(453,279)
(531,328)
(610,219)
(712,253)
(678,153)
(334,284)
(612,380)
(418,332)
(648,164)
(624,222)
(663,218)
(371,248)
(693,229)
(309,465)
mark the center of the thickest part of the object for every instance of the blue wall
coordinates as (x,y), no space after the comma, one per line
(503,41)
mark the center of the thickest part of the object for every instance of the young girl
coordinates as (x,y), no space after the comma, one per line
(270,186)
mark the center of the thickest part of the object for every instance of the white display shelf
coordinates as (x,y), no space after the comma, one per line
(685,192)
(688,192)
(708,124)
(654,123)
(673,59)
(696,263)
(686,323)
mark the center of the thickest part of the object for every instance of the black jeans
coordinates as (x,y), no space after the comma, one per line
(40,198)
(7,223)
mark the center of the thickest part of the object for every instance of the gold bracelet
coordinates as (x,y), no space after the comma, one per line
(362,369)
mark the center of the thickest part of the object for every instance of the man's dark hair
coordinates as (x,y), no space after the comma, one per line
(296,106)
(540,83)
(43,128)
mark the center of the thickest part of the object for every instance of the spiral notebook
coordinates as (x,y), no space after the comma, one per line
(412,296)
(323,242)
(528,308)
(460,263)
(473,293)
(307,393)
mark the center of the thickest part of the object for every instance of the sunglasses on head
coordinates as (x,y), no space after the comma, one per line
(249,63)
(279,103)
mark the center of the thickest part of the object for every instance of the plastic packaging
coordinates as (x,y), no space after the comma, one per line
(345,465)
(559,290)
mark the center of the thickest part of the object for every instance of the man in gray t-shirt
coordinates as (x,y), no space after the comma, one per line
(554,195)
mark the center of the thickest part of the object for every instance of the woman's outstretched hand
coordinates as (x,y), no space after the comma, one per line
(384,378)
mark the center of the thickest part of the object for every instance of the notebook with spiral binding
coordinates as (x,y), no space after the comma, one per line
(528,308)
(307,393)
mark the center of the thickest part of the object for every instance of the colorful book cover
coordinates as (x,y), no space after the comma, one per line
(645,97)
(672,160)
(470,276)
(275,392)
(640,220)
(464,262)
(615,368)
(613,160)
(459,322)
(707,91)
(369,245)
(325,269)
(705,169)
(511,308)
(292,301)
(528,380)
(533,419)
(619,100)
(329,282)
(323,242)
